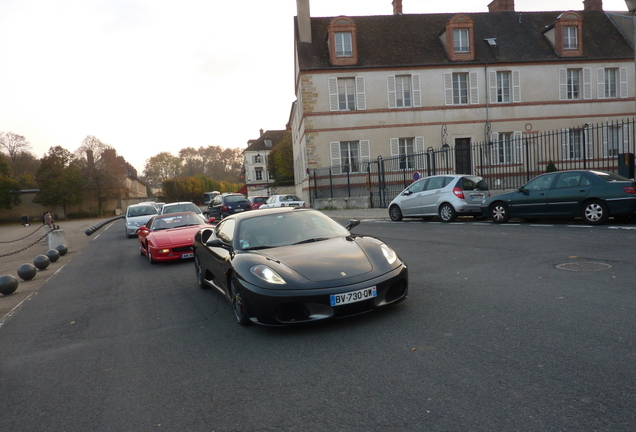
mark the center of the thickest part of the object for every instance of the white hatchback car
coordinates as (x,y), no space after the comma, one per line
(446,196)
(283,201)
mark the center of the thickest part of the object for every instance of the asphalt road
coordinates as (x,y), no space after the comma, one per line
(493,337)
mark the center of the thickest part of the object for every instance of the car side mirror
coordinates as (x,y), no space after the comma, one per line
(211,220)
(524,190)
(143,228)
(407,192)
(219,244)
(352,224)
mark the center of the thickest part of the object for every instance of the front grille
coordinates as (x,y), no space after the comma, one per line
(183,249)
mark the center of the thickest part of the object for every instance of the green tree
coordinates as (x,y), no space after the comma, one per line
(8,186)
(280,161)
(60,179)
(161,167)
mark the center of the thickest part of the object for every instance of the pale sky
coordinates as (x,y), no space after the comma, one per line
(147,76)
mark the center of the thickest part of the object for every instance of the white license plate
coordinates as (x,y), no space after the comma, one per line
(238,210)
(187,255)
(354,296)
(479,197)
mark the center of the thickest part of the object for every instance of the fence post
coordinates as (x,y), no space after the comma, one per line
(330,183)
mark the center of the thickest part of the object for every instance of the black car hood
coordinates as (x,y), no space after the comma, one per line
(333,259)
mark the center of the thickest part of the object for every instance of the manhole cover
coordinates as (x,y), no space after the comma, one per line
(583,266)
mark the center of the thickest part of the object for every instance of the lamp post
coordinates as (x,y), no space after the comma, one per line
(631,7)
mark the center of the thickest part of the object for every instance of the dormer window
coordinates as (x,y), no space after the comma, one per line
(570,38)
(458,38)
(460,41)
(343,43)
(268,143)
(566,34)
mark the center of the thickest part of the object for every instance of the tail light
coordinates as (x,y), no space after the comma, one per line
(630,189)
(459,193)
(303,204)
(224,208)
(282,204)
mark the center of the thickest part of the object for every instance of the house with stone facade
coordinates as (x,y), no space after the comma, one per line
(370,87)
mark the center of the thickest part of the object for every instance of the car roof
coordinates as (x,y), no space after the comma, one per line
(170,215)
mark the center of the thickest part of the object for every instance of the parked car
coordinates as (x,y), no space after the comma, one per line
(225,205)
(179,207)
(446,196)
(169,237)
(592,195)
(137,215)
(283,201)
(296,265)
(257,201)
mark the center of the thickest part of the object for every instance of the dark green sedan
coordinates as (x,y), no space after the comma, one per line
(592,195)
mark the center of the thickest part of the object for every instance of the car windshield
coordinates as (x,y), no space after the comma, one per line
(178,208)
(141,211)
(289,198)
(177,221)
(610,177)
(474,182)
(235,198)
(284,229)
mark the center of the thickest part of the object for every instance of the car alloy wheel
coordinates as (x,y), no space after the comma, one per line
(150,260)
(447,213)
(238,305)
(395,213)
(595,212)
(499,213)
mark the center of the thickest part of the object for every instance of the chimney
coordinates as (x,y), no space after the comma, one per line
(304,21)
(501,6)
(397,7)
(593,5)
(261,133)
(90,159)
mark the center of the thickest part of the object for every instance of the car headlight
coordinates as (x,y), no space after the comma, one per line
(267,274)
(389,253)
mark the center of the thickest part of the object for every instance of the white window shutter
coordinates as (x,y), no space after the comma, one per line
(494,149)
(624,87)
(492,86)
(600,83)
(335,157)
(448,89)
(395,146)
(390,83)
(365,153)
(417,93)
(563,84)
(626,137)
(333,94)
(587,83)
(517,137)
(565,144)
(361,99)
(589,143)
(418,146)
(474,88)
(516,86)
(604,140)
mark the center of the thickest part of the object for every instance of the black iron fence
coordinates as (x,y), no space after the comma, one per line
(506,161)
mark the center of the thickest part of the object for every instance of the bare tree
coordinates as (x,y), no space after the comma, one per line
(14,145)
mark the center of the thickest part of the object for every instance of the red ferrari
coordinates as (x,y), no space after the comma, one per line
(170,236)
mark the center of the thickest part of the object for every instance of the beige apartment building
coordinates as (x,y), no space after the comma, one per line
(400,84)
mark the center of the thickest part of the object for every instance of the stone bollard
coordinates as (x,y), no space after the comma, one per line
(57,237)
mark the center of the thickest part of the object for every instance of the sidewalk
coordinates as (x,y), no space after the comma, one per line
(76,241)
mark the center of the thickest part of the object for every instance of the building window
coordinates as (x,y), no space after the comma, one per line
(573,84)
(350,156)
(460,88)
(259,174)
(403,91)
(461,41)
(503,86)
(610,83)
(504,148)
(343,45)
(346,94)
(570,38)
(574,145)
(257,159)
(268,143)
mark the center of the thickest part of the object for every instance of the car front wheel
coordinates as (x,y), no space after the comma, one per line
(395,213)
(447,213)
(199,273)
(595,212)
(238,304)
(499,213)
(150,260)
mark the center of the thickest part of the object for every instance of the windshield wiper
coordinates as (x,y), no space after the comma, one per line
(257,248)
(312,240)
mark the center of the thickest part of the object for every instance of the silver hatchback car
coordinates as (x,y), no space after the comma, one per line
(446,196)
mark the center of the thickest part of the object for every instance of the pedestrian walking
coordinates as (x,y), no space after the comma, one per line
(25,220)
